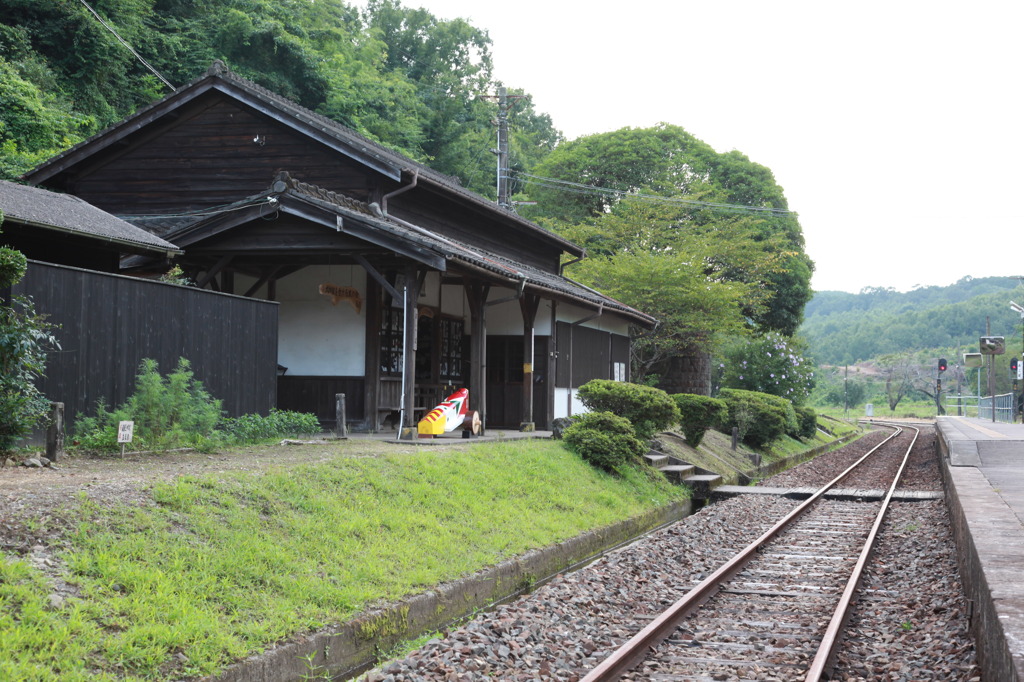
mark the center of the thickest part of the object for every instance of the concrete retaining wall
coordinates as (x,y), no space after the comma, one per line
(353,647)
(966,484)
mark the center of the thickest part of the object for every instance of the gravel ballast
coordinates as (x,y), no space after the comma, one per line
(910,622)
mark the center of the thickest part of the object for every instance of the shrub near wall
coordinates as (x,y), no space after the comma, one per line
(808,419)
(761,418)
(698,413)
(648,409)
(604,440)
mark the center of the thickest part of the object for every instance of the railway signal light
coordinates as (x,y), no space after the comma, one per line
(1013,365)
(942,365)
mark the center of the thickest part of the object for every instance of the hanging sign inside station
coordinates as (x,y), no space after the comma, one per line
(337,293)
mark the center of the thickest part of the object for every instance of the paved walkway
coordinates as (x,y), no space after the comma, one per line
(985,470)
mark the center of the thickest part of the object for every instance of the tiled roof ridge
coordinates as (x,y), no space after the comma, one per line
(321,193)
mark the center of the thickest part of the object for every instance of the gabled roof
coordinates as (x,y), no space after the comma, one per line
(43,209)
(327,131)
(367,222)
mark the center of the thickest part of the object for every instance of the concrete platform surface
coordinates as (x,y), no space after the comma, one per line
(984,470)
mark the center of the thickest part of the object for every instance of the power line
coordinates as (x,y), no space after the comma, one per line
(592,190)
(125,43)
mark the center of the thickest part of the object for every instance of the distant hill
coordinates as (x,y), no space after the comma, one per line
(844,328)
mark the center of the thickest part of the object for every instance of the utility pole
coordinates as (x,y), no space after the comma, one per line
(502,151)
(505,104)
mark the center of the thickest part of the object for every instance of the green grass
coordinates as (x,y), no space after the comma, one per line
(907,409)
(219,568)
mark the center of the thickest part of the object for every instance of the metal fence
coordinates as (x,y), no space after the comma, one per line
(981,406)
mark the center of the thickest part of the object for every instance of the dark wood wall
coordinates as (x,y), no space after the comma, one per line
(505,382)
(589,356)
(316,395)
(109,323)
(465,224)
(217,151)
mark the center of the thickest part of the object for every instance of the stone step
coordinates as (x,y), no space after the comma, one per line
(656,459)
(703,484)
(676,472)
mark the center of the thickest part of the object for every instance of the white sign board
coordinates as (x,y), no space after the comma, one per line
(125,431)
(1020,370)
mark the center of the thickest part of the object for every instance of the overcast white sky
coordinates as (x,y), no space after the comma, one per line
(894,127)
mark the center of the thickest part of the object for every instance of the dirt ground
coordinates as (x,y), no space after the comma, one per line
(37,504)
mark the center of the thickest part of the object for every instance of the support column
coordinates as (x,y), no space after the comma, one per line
(476,296)
(529,304)
(371,372)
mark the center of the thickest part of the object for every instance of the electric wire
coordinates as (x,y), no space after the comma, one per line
(125,43)
(202,212)
(592,190)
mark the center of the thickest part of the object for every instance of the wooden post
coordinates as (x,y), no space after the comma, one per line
(529,304)
(371,389)
(735,437)
(340,427)
(55,433)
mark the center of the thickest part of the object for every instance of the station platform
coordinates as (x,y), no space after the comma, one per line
(984,471)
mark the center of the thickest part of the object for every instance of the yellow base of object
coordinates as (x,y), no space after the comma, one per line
(431,427)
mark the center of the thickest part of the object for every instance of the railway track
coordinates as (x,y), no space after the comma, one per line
(776,610)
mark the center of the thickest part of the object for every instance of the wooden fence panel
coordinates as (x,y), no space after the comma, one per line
(109,323)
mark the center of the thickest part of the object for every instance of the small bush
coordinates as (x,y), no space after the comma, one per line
(648,409)
(603,439)
(252,428)
(808,420)
(761,418)
(698,413)
(168,413)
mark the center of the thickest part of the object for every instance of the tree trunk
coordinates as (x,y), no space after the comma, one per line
(685,374)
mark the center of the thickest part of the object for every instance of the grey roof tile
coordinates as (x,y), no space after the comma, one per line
(35,206)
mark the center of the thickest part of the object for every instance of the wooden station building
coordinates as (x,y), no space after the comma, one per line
(387,273)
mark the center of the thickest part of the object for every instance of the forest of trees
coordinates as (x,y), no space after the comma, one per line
(702,240)
(844,328)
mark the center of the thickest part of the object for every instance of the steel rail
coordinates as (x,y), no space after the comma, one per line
(825,656)
(630,654)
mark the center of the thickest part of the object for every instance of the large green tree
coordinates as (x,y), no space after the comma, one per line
(401,76)
(718,196)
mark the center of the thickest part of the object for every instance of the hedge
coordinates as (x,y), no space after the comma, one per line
(698,413)
(648,409)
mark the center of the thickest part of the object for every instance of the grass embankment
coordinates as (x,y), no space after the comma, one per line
(216,568)
(716,454)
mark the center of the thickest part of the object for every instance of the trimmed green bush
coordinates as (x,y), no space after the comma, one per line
(603,439)
(648,409)
(808,419)
(760,417)
(698,413)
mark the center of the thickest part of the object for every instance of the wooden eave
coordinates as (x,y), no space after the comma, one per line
(334,219)
(492,211)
